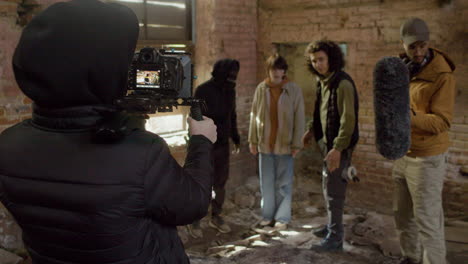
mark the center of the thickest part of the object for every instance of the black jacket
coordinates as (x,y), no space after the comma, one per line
(333,117)
(76,199)
(219,95)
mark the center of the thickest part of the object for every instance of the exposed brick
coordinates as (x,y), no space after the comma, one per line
(371,31)
(458,158)
(459,128)
(8,121)
(366,120)
(26,100)
(459,144)
(462,137)
(8,8)
(458,120)
(367,127)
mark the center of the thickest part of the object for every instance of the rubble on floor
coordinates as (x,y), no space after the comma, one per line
(246,244)
(370,238)
(7,257)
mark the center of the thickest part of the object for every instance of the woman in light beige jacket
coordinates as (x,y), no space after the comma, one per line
(276,128)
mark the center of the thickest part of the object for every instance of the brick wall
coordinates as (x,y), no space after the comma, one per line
(10,98)
(245,30)
(224,29)
(371,31)
(14,106)
(228,29)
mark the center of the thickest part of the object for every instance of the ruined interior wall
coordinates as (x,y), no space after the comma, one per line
(224,28)
(246,29)
(14,106)
(228,29)
(370,29)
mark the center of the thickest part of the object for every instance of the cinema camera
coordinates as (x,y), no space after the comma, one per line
(159,80)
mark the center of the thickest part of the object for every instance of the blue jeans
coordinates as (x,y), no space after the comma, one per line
(276,179)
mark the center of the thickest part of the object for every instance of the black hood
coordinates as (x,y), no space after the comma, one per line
(223,67)
(76,53)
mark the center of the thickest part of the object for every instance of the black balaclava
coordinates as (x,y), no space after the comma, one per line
(225,71)
(76,53)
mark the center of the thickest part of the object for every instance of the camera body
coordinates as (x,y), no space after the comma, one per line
(165,73)
(159,80)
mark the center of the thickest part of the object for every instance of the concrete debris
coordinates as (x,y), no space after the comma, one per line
(9,258)
(10,232)
(370,238)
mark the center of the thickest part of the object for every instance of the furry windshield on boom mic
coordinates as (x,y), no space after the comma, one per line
(392,108)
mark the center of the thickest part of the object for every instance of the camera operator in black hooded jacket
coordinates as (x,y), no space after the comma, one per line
(84,199)
(219,95)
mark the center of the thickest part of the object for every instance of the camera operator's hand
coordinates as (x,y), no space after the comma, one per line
(205,127)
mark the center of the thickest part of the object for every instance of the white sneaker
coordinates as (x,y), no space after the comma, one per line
(280,226)
(264,223)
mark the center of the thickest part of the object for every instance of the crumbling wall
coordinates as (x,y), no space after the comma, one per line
(370,29)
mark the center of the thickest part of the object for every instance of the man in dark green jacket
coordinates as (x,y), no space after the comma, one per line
(335,128)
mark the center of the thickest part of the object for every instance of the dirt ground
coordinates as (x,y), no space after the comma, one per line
(370,238)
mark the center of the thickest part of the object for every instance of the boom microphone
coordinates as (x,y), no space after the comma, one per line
(391,107)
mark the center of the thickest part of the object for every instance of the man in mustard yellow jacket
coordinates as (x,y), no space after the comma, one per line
(419,176)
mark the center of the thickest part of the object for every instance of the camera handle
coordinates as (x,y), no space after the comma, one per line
(195,110)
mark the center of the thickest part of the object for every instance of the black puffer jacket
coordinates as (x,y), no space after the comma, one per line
(219,95)
(76,200)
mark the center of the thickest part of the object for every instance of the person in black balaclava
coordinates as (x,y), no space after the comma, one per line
(219,95)
(80,198)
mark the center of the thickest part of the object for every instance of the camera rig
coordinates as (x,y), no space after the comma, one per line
(159,80)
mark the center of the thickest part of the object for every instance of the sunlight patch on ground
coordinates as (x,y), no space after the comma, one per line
(259,243)
(285,233)
(289,233)
(237,250)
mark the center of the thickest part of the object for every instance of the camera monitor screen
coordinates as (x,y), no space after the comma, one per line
(148,79)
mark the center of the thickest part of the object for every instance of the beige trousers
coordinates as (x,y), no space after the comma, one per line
(417,206)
